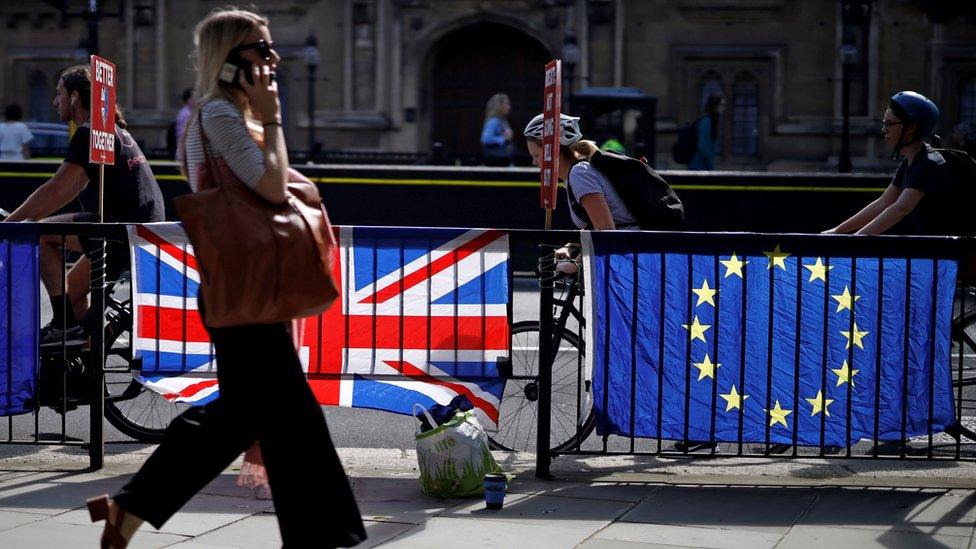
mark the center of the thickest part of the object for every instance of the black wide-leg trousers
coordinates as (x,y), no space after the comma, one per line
(263,396)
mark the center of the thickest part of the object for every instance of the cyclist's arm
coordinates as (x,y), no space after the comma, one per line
(598,211)
(907,200)
(869,212)
(53,195)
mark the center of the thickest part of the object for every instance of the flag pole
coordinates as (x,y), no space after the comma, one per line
(101,193)
(101,151)
(549,180)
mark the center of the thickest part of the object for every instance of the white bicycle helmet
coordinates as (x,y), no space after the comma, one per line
(569,129)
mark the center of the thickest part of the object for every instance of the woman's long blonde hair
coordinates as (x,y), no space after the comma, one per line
(213,38)
(494,106)
(576,152)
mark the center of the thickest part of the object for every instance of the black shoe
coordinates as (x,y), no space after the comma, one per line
(693,445)
(957,431)
(52,336)
(889,448)
(778,449)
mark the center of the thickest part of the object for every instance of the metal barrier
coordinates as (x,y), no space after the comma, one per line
(560,394)
(69,376)
(657,400)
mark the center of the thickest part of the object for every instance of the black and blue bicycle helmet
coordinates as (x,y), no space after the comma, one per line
(916,109)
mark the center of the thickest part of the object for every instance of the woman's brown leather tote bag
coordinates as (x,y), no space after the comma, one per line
(259,262)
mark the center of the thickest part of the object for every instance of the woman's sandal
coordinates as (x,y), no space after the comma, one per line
(112,538)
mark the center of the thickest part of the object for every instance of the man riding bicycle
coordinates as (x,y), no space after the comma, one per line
(131,196)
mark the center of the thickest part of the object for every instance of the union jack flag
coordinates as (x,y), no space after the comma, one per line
(168,336)
(423,316)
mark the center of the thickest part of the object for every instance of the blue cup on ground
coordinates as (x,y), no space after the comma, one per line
(495,490)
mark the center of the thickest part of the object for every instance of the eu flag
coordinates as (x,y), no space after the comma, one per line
(19,321)
(767,343)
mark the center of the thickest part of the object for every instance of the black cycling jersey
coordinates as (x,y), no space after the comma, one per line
(131,192)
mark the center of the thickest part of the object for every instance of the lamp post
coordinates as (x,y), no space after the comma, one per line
(571,58)
(312,59)
(848,59)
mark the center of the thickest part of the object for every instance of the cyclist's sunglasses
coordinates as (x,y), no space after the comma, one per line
(263,48)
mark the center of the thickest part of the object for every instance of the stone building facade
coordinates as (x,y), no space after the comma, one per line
(399,75)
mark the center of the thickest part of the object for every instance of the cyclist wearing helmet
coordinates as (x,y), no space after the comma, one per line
(591,189)
(921,186)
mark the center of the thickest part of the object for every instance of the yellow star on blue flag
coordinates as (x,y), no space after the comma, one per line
(845,300)
(818,271)
(705,294)
(777,258)
(854,336)
(696,330)
(733,266)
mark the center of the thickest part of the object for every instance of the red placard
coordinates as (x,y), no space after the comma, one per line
(550,135)
(101,146)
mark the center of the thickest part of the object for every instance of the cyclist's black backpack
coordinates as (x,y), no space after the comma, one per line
(962,192)
(646,194)
(686,146)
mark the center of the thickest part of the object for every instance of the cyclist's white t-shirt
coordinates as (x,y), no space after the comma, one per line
(13,137)
(228,139)
(584,179)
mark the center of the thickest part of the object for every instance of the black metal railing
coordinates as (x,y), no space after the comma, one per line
(569,402)
(69,376)
(634,375)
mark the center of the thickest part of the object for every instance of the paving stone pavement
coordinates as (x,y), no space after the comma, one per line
(592,503)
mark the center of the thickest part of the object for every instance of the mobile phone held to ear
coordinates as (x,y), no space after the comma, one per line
(231,73)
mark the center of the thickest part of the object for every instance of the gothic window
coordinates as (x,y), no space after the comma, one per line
(967,103)
(745,77)
(745,115)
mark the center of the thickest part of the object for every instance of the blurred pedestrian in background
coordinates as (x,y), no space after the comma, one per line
(613,145)
(176,130)
(707,132)
(961,139)
(496,134)
(14,135)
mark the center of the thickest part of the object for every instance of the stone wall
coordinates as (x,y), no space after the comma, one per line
(776,60)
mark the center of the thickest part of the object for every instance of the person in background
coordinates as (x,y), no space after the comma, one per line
(960,139)
(707,132)
(14,135)
(496,134)
(238,121)
(613,145)
(181,120)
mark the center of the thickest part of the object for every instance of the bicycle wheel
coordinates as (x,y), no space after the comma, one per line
(964,336)
(572,410)
(130,406)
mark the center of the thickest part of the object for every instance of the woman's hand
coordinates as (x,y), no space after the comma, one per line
(263,94)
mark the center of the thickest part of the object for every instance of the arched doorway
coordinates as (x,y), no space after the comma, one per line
(467,67)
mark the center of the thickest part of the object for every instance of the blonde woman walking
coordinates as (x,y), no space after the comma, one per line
(264,396)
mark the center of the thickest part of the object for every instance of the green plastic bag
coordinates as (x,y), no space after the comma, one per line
(454,457)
